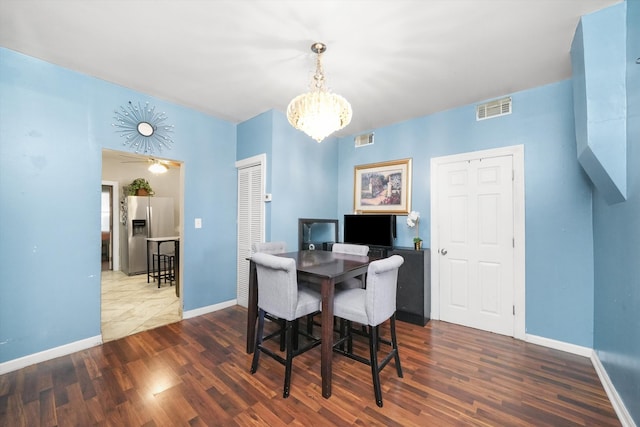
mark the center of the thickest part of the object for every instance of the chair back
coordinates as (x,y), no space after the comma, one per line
(269,247)
(348,248)
(382,280)
(277,285)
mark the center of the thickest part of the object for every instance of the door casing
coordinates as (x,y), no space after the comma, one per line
(517,151)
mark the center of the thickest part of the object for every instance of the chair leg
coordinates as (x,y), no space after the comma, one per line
(289,359)
(294,328)
(256,350)
(349,333)
(375,372)
(310,324)
(394,344)
(282,325)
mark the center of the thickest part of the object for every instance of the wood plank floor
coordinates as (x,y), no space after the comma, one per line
(196,373)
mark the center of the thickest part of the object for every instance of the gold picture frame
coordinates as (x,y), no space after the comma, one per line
(383,187)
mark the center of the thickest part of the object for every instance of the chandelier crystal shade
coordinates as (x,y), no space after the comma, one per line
(319,113)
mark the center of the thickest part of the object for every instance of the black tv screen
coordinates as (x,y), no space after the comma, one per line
(372,230)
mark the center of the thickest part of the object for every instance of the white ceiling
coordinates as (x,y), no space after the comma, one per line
(392,59)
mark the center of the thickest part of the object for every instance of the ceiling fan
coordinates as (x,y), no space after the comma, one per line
(156,166)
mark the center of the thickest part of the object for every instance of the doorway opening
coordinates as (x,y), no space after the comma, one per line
(131,303)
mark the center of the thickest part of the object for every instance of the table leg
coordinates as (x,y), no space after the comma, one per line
(158,275)
(326,352)
(148,272)
(252,309)
(176,266)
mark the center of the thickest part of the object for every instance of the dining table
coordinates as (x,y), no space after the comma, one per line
(324,268)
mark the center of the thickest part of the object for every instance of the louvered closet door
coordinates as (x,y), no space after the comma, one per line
(250,223)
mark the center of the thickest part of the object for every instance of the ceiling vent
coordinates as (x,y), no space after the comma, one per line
(364,140)
(497,108)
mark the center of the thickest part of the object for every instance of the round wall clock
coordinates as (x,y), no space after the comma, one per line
(142,128)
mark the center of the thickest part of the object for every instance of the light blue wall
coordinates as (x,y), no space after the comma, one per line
(301,174)
(54,124)
(304,180)
(559,251)
(598,54)
(617,246)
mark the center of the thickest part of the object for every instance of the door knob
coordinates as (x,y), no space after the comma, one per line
(443,251)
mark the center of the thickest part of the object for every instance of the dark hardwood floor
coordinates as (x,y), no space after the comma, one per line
(196,373)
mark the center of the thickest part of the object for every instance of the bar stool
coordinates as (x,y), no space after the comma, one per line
(165,268)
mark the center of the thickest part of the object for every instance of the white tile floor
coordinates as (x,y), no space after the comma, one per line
(131,305)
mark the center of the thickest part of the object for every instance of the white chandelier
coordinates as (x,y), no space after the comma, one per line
(319,113)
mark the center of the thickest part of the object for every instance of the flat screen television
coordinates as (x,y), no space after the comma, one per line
(370,229)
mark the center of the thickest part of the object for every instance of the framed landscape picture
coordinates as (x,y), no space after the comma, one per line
(383,187)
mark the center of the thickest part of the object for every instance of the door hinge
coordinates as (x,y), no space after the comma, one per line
(513,242)
(514,310)
(513,175)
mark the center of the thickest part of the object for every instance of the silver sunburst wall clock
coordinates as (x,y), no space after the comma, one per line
(142,128)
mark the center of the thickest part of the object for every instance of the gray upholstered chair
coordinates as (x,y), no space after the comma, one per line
(274,248)
(349,248)
(279,295)
(354,282)
(371,306)
(269,247)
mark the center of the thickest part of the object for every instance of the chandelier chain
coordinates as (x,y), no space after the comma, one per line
(318,77)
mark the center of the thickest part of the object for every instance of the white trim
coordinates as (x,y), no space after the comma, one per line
(260,159)
(519,296)
(52,353)
(66,349)
(208,309)
(616,401)
(559,345)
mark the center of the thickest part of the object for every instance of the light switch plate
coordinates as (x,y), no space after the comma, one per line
(198,222)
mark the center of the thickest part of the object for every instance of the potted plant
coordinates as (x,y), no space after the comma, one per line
(413,220)
(139,187)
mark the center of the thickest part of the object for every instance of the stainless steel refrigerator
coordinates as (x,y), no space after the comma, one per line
(145,217)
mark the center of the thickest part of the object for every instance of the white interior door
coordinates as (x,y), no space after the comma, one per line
(250,218)
(476,243)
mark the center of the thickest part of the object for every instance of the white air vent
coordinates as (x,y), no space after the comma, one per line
(364,140)
(497,108)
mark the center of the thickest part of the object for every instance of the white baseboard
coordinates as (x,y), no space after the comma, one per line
(52,353)
(618,405)
(559,345)
(63,350)
(612,393)
(208,309)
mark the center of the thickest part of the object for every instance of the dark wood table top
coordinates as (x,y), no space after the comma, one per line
(327,264)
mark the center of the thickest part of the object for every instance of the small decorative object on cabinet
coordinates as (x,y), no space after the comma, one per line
(318,234)
(413,298)
(413,220)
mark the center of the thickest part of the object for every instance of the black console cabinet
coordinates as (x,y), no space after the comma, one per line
(413,298)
